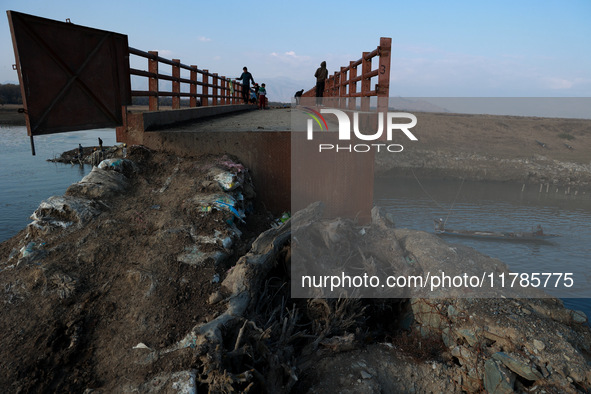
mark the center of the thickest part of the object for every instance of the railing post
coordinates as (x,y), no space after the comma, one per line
(343,88)
(176,85)
(333,89)
(193,87)
(205,89)
(383,87)
(224,92)
(214,93)
(233,92)
(352,85)
(153,82)
(365,81)
(337,89)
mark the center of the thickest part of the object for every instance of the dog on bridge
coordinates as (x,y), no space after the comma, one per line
(298,96)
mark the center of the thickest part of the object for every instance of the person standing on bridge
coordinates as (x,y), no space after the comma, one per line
(262,97)
(321,75)
(246,77)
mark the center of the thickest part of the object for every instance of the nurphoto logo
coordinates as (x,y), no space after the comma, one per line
(345,130)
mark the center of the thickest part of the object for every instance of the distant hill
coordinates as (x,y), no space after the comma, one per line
(283,89)
(418,105)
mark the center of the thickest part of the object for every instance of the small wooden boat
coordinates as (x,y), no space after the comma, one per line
(536,236)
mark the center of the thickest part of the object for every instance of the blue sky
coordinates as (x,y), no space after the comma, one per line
(452,48)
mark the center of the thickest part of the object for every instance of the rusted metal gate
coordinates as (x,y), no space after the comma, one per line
(71,77)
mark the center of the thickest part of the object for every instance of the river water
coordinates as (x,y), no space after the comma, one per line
(415,203)
(26,180)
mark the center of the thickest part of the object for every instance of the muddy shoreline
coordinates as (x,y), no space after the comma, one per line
(534,151)
(158,273)
(563,177)
(9,115)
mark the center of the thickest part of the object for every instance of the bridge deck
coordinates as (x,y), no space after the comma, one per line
(274,119)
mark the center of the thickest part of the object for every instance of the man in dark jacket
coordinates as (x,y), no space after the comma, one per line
(321,75)
(246,77)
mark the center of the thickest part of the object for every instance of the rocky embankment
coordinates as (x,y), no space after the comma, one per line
(161,274)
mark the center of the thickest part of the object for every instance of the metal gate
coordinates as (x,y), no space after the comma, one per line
(71,77)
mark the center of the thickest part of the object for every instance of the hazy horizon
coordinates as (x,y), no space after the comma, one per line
(461,49)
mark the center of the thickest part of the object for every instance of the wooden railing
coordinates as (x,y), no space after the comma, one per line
(342,89)
(204,88)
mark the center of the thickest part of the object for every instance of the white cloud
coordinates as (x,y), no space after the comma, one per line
(559,83)
(204,39)
(290,57)
(167,53)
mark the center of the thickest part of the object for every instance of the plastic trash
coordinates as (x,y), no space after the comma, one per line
(28,249)
(141,345)
(124,166)
(99,184)
(279,221)
(114,164)
(229,206)
(32,250)
(227,179)
(229,164)
(220,202)
(62,212)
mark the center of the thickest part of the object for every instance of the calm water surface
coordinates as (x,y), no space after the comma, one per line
(503,207)
(26,180)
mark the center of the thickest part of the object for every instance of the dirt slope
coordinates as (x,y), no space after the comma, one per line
(73,309)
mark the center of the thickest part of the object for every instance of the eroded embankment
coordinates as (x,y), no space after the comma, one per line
(566,177)
(530,150)
(130,254)
(143,277)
